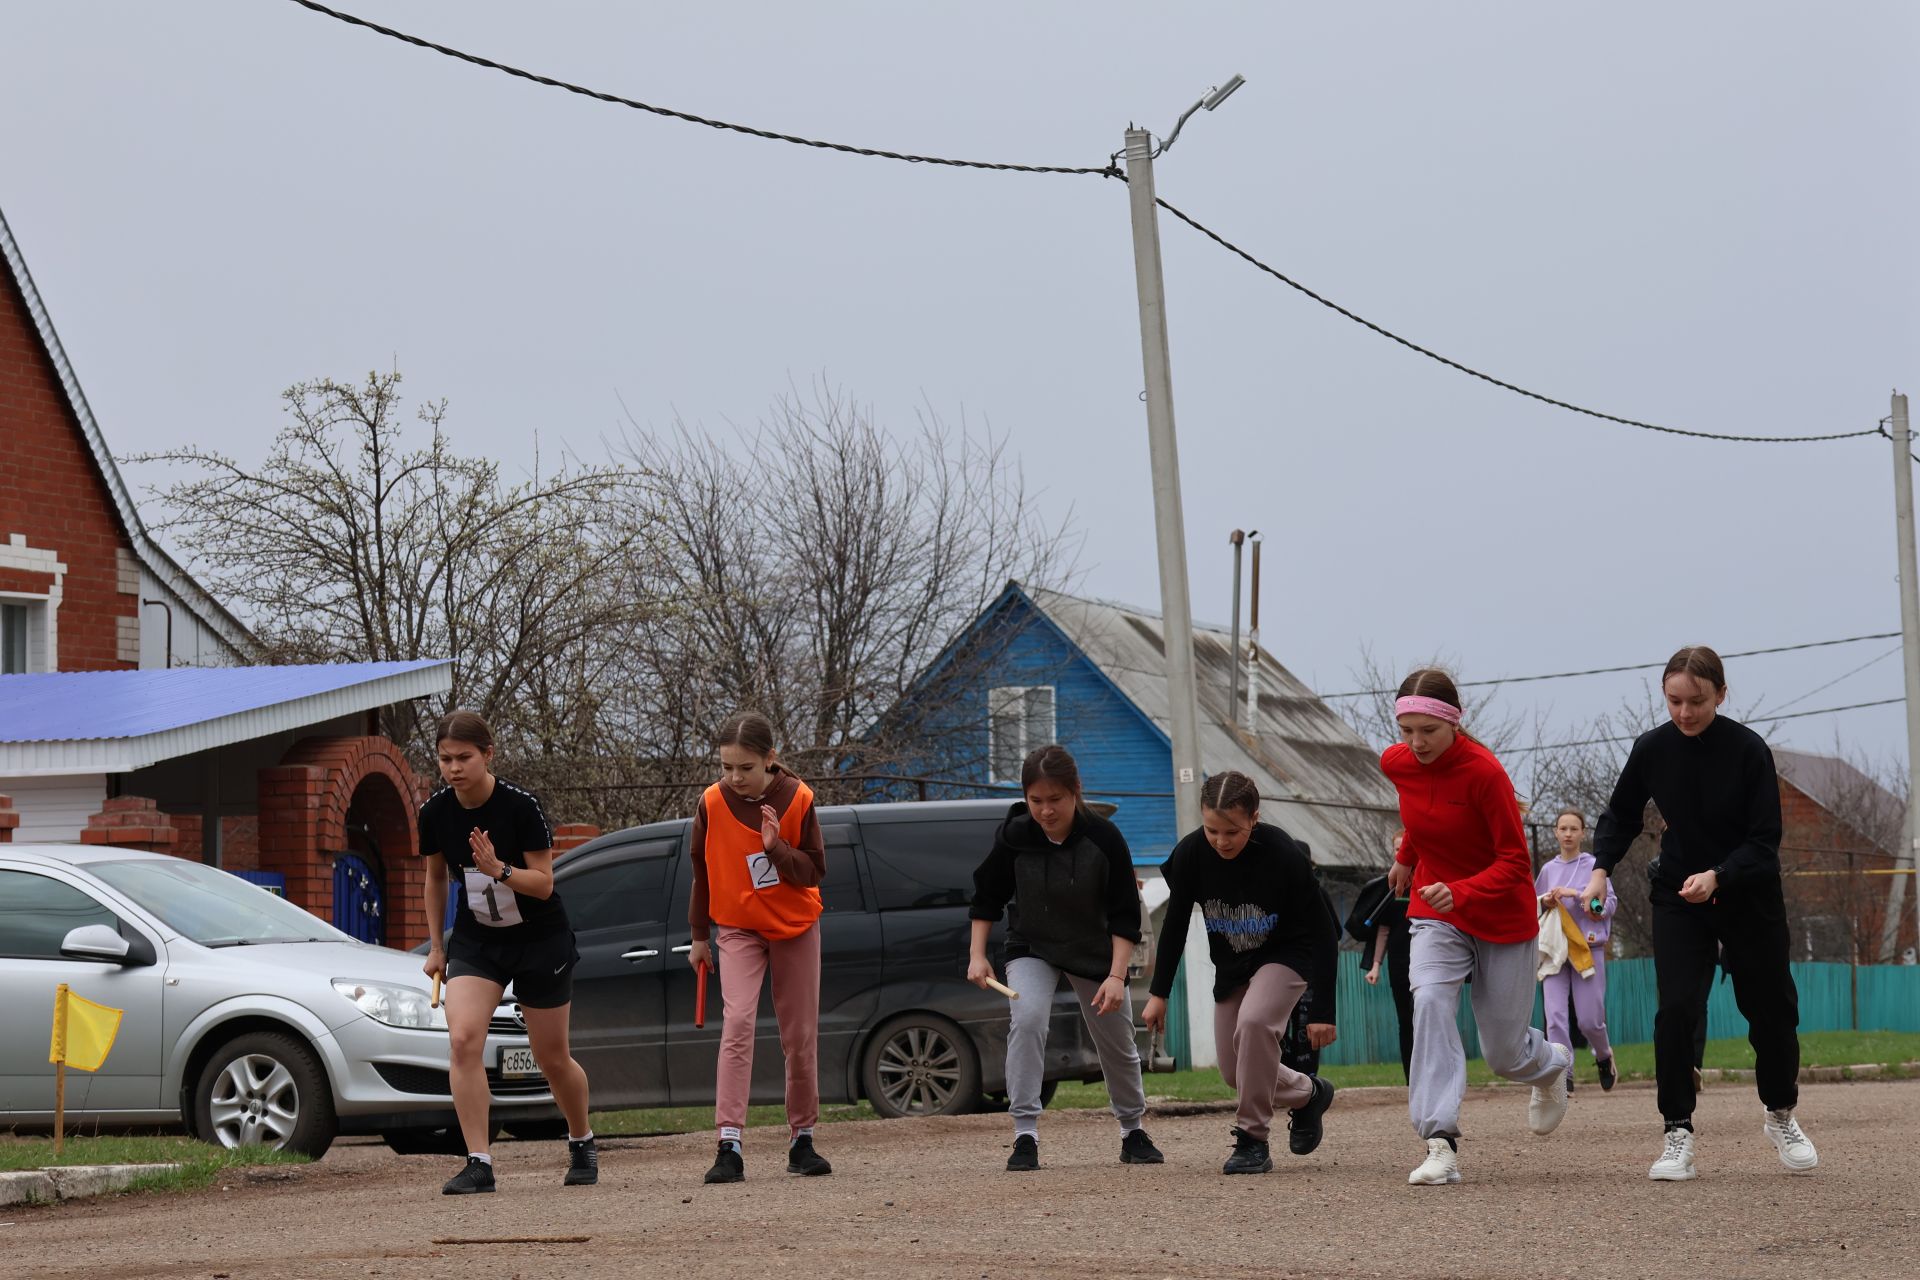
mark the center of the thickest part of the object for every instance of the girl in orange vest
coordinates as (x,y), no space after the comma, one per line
(758,858)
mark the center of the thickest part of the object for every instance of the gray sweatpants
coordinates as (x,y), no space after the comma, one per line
(1442,957)
(1036,981)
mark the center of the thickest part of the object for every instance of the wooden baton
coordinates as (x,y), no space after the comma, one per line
(1003,988)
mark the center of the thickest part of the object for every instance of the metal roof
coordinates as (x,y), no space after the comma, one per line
(74,722)
(1841,789)
(163,566)
(1319,779)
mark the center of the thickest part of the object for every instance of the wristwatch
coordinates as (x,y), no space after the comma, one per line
(506,874)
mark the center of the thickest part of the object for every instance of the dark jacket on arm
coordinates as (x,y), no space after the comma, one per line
(1068,901)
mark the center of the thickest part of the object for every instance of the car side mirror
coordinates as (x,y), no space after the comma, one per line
(98,942)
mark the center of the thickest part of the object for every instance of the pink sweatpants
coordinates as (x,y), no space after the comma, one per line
(1246,1035)
(744,957)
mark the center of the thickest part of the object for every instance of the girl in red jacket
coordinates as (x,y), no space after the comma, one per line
(1471,916)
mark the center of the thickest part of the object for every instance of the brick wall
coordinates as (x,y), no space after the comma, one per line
(51,492)
(131,822)
(9,819)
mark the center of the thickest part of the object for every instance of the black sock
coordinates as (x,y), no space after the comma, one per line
(1452,1142)
(1686,1124)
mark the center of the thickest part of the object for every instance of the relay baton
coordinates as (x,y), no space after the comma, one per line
(436,991)
(1003,988)
(700,995)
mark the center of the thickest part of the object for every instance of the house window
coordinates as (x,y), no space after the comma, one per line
(1019,718)
(13,639)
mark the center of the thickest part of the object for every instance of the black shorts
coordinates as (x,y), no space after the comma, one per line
(541,971)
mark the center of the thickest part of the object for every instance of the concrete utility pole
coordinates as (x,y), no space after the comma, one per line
(1176,608)
(1910,656)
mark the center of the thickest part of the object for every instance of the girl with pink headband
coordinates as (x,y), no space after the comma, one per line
(1471,912)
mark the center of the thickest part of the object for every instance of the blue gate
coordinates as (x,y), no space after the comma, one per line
(358,900)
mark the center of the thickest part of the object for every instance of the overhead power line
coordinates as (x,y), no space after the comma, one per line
(1384,332)
(1629,737)
(1104,171)
(1631,666)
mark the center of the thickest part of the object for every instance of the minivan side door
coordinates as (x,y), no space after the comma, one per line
(37,910)
(616,902)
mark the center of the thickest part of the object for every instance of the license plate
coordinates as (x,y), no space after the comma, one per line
(516,1063)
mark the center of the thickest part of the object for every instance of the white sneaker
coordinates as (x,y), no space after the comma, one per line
(1548,1106)
(1783,1131)
(1441,1166)
(1676,1158)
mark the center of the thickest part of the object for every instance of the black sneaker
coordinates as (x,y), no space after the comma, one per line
(1303,1123)
(1249,1155)
(1607,1074)
(1138,1148)
(804,1160)
(583,1163)
(727,1166)
(475,1178)
(1026,1154)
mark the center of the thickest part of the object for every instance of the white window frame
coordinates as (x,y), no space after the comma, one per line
(1004,698)
(43,611)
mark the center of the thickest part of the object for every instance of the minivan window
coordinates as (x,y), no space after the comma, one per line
(37,912)
(840,887)
(210,906)
(926,864)
(626,888)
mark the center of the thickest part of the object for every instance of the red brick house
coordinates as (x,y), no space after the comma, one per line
(127,716)
(1839,833)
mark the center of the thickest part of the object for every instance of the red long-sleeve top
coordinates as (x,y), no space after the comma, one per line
(1463,831)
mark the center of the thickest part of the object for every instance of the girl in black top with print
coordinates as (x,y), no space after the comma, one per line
(1718,885)
(1269,932)
(491,841)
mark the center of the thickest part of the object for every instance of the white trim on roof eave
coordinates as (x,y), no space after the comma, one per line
(123,755)
(191,593)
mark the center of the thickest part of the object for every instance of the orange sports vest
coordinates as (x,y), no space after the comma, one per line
(743,890)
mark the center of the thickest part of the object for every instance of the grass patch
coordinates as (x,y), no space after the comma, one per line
(201,1164)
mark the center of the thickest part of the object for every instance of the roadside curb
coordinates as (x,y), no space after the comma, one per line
(71,1182)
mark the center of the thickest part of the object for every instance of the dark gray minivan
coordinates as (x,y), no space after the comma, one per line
(899,1023)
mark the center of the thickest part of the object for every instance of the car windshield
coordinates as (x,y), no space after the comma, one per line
(211,907)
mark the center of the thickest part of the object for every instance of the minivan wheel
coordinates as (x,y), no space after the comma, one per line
(265,1089)
(920,1064)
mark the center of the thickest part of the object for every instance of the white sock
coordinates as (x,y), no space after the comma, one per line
(587,1137)
(481,1156)
(728,1133)
(802,1133)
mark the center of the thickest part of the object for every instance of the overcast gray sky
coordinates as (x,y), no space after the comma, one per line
(1699,214)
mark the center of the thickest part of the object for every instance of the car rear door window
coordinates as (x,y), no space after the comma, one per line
(926,864)
(37,912)
(840,889)
(625,889)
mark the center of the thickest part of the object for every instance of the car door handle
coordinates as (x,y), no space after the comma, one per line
(639,953)
(683,949)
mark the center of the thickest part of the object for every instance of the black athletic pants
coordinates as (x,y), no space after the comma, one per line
(1750,923)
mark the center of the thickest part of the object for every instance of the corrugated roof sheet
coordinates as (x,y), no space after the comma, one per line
(1302,750)
(110,721)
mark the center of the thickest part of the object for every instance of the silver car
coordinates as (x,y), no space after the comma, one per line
(247,1020)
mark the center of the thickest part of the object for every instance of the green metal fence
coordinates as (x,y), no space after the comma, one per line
(1833,997)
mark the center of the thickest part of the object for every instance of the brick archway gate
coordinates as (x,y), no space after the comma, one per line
(333,799)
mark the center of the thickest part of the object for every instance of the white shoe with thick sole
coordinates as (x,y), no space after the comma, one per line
(1441,1166)
(1548,1105)
(1676,1158)
(1783,1131)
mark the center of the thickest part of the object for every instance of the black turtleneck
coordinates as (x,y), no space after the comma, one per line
(1718,793)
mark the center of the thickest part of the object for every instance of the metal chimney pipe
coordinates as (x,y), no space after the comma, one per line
(1238,538)
(1253,643)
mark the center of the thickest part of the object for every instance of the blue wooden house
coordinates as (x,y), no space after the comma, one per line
(1039,666)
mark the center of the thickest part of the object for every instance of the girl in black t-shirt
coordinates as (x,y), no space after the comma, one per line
(490,840)
(1270,935)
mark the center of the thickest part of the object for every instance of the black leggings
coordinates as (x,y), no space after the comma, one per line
(1750,924)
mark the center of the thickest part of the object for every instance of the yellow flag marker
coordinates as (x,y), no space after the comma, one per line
(83,1033)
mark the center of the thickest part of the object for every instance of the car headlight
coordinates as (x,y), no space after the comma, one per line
(394,1005)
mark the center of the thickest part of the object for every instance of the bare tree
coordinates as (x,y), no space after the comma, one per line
(816,567)
(1371,713)
(357,540)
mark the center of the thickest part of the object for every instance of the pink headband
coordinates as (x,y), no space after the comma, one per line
(1417,706)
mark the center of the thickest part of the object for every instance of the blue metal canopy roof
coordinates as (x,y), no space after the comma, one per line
(109,721)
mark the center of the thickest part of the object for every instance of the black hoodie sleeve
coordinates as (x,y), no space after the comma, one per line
(1123,889)
(1326,961)
(1626,812)
(1173,927)
(993,883)
(1757,855)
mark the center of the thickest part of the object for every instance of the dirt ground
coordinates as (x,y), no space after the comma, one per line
(928,1198)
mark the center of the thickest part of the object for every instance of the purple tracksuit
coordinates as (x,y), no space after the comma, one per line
(1589,994)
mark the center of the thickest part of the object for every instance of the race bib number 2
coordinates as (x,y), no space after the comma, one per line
(491,904)
(760,869)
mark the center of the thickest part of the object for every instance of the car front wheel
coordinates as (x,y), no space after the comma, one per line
(920,1064)
(265,1089)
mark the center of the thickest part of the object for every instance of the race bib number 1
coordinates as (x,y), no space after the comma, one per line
(760,869)
(491,904)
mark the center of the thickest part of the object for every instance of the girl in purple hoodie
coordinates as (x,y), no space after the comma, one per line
(1561,882)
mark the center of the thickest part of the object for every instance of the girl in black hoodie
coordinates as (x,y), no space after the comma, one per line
(1068,876)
